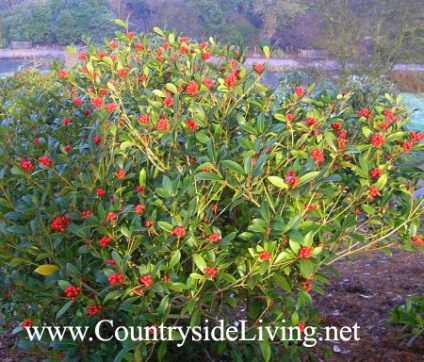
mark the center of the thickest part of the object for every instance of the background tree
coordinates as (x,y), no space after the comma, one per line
(31,21)
(371,36)
(275,13)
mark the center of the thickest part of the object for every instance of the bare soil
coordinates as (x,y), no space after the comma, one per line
(368,287)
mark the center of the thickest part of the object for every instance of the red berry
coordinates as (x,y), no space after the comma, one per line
(211,272)
(265,255)
(146,280)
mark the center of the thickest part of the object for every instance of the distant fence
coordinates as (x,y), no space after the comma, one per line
(20,45)
(313,53)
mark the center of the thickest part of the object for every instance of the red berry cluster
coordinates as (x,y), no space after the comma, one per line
(317,155)
(208,82)
(77,101)
(66,121)
(211,272)
(46,161)
(110,107)
(72,292)
(373,192)
(388,113)
(86,213)
(265,255)
(60,223)
(291,179)
(231,80)
(259,68)
(139,47)
(146,280)
(111,216)
(162,125)
(27,165)
(143,118)
(179,232)
(111,262)
(122,73)
(206,56)
(407,145)
(27,323)
(416,240)
(62,74)
(364,112)
(168,102)
(310,122)
(104,241)
(100,192)
(97,139)
(377,140)
(214,237)
(416,136)
(299,91)
(148,223)
(97,102)
(305,252)
(116,278)
(120,174)
(376,172)
(140,189)
(337,126)
(94,309)
(139,209)
(192,125)
(307,286)
(192,88)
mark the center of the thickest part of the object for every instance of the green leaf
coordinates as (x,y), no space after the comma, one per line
(175,258)
(234,166)
(113,295)
(199,261)
(266,51)
(163,306)
(18,230)
(158,30)
(62,310)
(278,181)
(76,229)
(120,23)
(212,176)
(202,138)
(142,177)
(265,349)
(46,269)
(165,226)
(172,88)
(381,182)
(308,177)
(306,267)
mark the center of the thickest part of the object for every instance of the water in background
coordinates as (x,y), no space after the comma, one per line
(10,65)
(414,103)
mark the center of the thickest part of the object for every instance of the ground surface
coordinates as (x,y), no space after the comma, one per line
(368,287)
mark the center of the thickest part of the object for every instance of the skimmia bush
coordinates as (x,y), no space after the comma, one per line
(158,182)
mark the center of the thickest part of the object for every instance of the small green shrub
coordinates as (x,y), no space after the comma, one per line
(411,316)
(149,185)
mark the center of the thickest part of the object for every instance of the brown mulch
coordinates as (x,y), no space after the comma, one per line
(368,287)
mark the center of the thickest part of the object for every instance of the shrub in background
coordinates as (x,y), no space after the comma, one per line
(150,185)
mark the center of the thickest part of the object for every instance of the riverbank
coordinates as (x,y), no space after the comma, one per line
(30,53)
